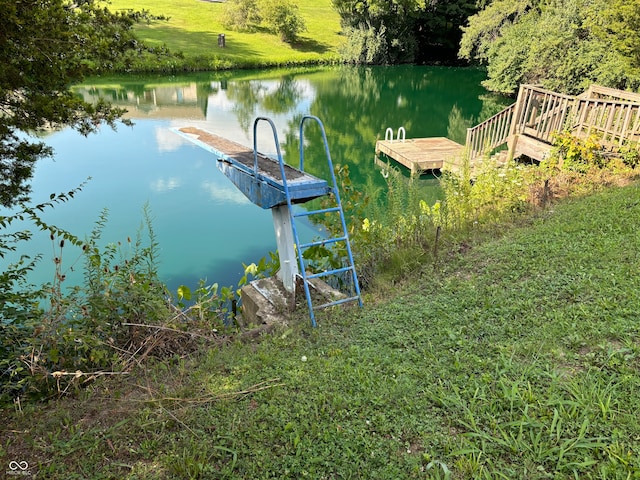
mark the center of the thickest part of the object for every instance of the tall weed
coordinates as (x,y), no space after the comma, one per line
(397,233)
(54,338)
(494,194)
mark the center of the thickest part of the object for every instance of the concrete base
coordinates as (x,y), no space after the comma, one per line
(266,302)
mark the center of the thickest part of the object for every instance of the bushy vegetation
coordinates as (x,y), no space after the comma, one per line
(565,45)
(55,338)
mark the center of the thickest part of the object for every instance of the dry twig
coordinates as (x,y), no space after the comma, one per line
(264,385)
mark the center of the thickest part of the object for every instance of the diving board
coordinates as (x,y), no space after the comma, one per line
(272,184)
(259,177)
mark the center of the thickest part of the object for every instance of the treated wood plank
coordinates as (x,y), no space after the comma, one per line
(419,154)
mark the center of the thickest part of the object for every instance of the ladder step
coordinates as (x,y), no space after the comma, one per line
(337,302)
(329,272)
(322,242)
(314,212)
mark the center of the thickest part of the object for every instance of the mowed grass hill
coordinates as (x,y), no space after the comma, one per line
(194,25)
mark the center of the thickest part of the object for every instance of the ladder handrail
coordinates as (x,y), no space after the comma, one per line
(336,194)
(388,134)
(278,152)
(333,189)
(404,134)
(333,176)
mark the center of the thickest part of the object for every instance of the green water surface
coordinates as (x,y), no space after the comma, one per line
(205,227)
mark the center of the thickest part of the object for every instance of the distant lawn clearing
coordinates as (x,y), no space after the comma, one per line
(194,26)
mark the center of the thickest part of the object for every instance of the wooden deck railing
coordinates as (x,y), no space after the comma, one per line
(598,91)
(490,134)
(540,113)
(613,122)
(612,115)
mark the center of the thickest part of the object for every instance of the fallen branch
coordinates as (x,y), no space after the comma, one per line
(169,329)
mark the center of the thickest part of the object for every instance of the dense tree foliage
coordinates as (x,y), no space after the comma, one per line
(382,31)
(564,45)
(46,45)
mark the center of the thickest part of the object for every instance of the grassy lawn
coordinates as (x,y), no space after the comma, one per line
(194,26)
(518,358)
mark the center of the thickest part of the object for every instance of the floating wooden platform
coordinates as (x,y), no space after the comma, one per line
(420,154)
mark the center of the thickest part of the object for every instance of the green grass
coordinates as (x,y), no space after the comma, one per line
(519,358)
(194,26)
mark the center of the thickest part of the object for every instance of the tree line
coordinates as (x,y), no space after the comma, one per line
(564,45)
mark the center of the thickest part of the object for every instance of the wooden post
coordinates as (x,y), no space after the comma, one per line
(513,130)
(286,247)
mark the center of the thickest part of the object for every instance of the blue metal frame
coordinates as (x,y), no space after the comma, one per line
(338,208)
(345,237)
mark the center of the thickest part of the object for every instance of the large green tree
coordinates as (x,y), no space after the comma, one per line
(397,31)
(45,46)
(564,45)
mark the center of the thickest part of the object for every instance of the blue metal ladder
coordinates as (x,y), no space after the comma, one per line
(349,268)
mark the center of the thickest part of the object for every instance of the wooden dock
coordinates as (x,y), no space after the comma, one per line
(526,128)
(421,154)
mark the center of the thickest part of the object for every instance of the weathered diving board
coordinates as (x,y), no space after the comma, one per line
(257,176)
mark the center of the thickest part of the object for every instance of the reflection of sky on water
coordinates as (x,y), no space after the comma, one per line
(185,105)
(221,119)
(226,194)
(205,227)
(163,185)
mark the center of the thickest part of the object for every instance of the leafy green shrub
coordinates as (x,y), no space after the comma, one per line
(400,233)
(630,156)
(365,46)
(577,154)
(493,194)
(279,16)
(241,14)
(389,234)
(282,17)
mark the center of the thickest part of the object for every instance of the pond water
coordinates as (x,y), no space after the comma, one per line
(205,227)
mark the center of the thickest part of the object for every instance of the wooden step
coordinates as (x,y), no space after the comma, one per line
(532,148)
